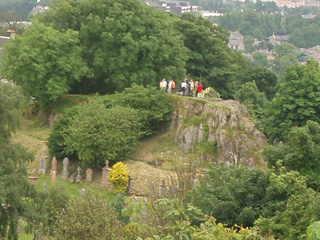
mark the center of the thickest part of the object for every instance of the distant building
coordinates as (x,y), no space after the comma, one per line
(206,14)
(236,41)
(313,52)
(278,39)
(39,9)
(177,7)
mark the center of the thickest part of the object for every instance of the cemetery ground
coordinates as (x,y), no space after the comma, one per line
(153,160)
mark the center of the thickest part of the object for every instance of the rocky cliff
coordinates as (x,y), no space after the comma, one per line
(220,130)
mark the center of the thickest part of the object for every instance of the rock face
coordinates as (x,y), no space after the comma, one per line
(224,127)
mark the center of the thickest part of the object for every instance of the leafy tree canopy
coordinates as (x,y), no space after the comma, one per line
(300,152)
(298,100)
(44,61)
(97,134)
(14,185)
(22,8)
(233,195)
(123,42)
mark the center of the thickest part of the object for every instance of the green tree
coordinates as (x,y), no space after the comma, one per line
(88,217)
(266,80)
(233,195)
(14,186)
(299,152)
(260,59)
(57,140)
(97,133)
(123,42)
(22,8)
(289,210)
(250,96)
(285,56)
(154,106)
(297,101)
(210,59)
(44,62)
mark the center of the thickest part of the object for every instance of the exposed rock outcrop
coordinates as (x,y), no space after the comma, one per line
(225,124)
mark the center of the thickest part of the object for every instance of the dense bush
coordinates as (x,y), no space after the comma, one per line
(233,195)
(88,217)
(57,139)
(119,177)
(154,106)
(300,151)
(97,133)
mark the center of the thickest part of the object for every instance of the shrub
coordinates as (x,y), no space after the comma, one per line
(97,133)
(57,139)
(154,106)
(119,177)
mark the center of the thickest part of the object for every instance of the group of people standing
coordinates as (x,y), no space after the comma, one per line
(188,88)
(167,86)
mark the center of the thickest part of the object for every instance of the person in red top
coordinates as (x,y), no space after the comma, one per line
(200,90)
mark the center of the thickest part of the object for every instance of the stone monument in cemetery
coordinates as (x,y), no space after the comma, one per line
(33,178)
(43,162)
(152,190)
(105,175)
(54,170)
(65,172)
(89,175)
(79,176)
(163,189)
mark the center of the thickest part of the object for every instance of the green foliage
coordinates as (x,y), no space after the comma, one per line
(297,100)
(88,217)
(57,139)
(299,152)
(250,96)
(21,8)
(289,209)
(97,133)
(266,80)
(313,231)
(232,195)
(154,107)
(304,33)
(251,23)
(175,221)
(44,62)
(260,59)
(119,177)
(14,185)
(285,57)
(151,112)
(11,100)
(42,213)
(123,42)
(210,59)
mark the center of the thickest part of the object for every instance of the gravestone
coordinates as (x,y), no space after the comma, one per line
(33,178)
(89,175)
(65,172)
(54,170)
(82,192)
(78,177)
(43,162)
(152,190)
(163,189)
(105,175)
